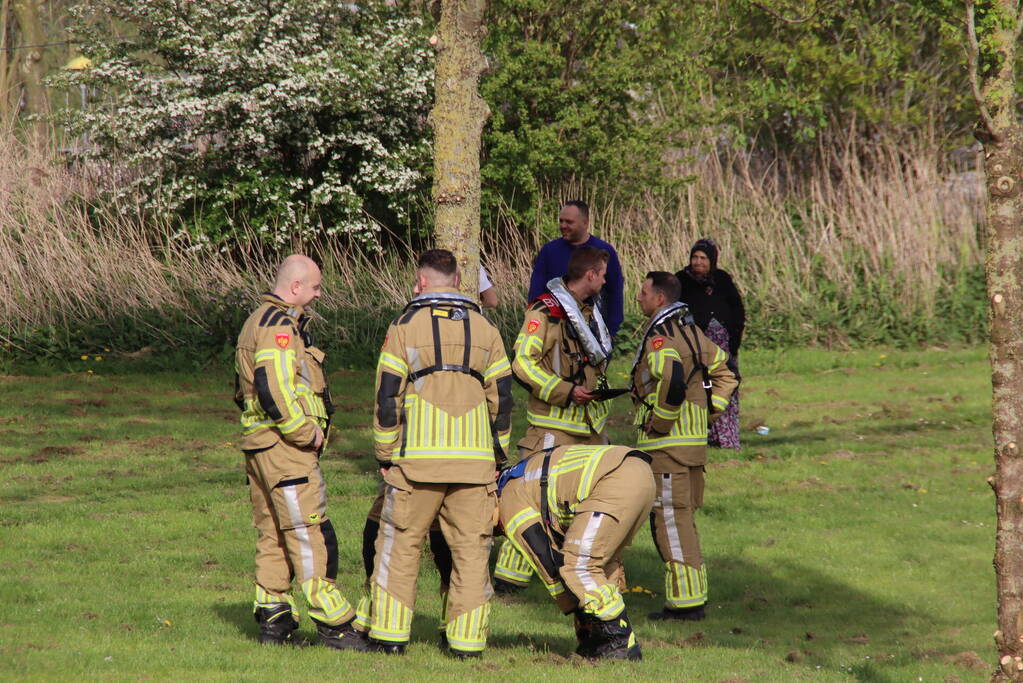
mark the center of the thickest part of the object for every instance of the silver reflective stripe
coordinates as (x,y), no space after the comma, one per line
(305,547)
(548,440)
(597,350)
(387,529)
(585,547)
(669,520)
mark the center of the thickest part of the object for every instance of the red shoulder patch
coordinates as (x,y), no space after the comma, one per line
(283,340)
(554,309)
(657,343)
(532,325)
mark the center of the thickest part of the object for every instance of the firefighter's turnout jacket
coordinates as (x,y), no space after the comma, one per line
(571,510)
(443,394)
(280,384)
(550,361)
(679,382)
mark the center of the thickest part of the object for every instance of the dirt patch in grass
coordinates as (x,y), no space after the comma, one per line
(967,660)
(86,402)
(46,453)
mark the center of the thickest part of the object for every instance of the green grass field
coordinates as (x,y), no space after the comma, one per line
(853,542)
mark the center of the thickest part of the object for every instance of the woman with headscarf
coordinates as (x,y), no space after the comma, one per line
(717,309)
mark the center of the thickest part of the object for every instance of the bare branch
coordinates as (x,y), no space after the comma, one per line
(972,49)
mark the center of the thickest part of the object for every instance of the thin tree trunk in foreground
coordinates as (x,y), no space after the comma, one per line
(30,65)
(458,116)
(993,77)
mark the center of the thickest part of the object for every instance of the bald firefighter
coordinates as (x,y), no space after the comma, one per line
(679,384)
(441,428)
(571,510)
(561,355)
(282,391)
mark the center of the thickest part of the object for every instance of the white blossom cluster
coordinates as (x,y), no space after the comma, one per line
(287,117)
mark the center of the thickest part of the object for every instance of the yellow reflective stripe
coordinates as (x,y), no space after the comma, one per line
(520,518)
(511,565)
(392,621)
(666,414)
(526,359)
(589,471)
(449,453)
(555,589)
(564,425)
(469,631)
(284,370)
(498,368)
(719,358)
(685,586)
(504,440)
(325,601)
(385,436)
(719,402)
(389,360)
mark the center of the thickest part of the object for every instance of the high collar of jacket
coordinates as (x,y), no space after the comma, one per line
(293,310)
(583,303)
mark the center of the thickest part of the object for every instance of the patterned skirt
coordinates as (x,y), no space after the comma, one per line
(724,433)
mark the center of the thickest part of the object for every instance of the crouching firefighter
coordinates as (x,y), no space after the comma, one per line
(571,510)
(561,355)
(282,391)
(680,384)
(441,428)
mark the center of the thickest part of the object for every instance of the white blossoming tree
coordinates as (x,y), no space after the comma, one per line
(289,118)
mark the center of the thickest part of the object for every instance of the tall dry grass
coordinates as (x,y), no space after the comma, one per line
(899,219)
(797,245)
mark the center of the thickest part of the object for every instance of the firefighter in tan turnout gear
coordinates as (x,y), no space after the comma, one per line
(680,384)
(282,391)
(441,428)
(571,510)
(561,355)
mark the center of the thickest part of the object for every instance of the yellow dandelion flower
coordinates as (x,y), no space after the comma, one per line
(83,358)
(97,358)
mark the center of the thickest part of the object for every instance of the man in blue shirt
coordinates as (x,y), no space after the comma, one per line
(552,261)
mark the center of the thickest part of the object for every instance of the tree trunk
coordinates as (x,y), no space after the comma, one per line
(1002,137)
(458,116)
(30,62)
(4,80)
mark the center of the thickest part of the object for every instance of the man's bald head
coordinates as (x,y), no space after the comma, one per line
(298,280)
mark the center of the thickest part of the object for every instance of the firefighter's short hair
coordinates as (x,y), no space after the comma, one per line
(666,284)
(583,260)
(440,260)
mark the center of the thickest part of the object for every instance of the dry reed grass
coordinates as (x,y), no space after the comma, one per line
(890,213)
(900,214)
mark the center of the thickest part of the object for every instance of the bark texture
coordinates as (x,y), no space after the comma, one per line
(458,117)
(28,14)
(992,65)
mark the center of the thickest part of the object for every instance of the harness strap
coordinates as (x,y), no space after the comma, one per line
(545,508)
(698,364)
(439,365)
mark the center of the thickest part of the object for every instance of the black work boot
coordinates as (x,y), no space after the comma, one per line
(276,624)
(386,648)
(687,614)
(613,639)
(502,587)
(342,636)
(582,634)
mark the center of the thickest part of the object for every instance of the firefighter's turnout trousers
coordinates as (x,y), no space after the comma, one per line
(603,497)
(466,513)
(295,537)
(673,525)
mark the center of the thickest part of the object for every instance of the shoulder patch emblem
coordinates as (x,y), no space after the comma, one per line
(533,324)
(657,343)
(554,309)
(283,340)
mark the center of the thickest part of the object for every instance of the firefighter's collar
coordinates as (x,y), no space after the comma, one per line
(597,350)
(675,310)
(442,296)
(292,310)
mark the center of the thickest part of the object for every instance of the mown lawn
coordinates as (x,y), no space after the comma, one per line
(853,542)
